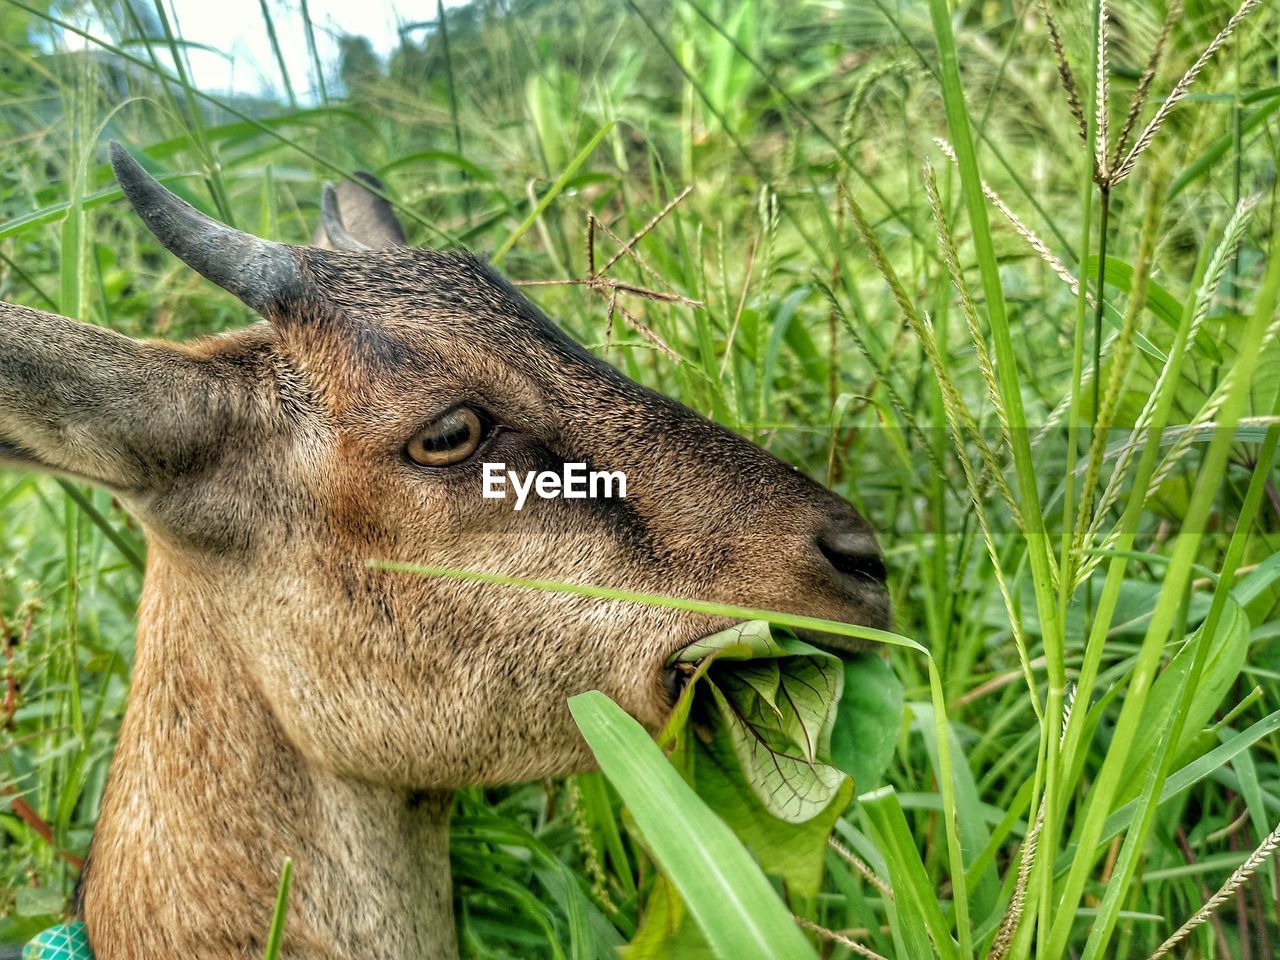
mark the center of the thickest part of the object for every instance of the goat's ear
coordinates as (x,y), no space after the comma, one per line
(353,217)
(84,401)
(261,273)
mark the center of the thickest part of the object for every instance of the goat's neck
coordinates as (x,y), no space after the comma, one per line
(207,798)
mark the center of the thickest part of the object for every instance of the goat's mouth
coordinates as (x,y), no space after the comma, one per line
(675,679)
(676,675)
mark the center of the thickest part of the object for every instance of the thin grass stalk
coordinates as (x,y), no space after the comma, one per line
(443,25)
(1100,285)
(861,949)
(1178,575)
(742,302)
(1064,72)
(947,248)
(1237,162)
(847,129)
(1102,99)
(1126,530)
(1135,838)
(997,81)
(1101,90)
(768,212)
(280,914)
(950,817)
(1143,89)
(733,400)
(263,128)
(75,259)
(1204,295)
(277,53)
(1055,750)
(1107,401)
(314,50)
(713,608)
(1239,877)
(1179,92)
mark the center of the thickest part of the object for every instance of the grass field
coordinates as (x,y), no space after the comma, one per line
(1074,481)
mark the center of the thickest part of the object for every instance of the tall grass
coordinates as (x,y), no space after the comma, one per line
(1040,356)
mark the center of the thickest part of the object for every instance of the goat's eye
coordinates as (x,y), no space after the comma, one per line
(448,439)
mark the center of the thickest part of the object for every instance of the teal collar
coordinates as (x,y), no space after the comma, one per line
(66,941)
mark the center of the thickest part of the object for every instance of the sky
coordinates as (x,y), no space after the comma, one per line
(239,57)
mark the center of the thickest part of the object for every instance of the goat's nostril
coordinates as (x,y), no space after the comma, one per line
(853,554)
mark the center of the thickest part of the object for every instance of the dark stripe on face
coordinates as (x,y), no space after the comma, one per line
(620,516)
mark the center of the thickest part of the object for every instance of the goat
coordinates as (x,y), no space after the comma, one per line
(289,699)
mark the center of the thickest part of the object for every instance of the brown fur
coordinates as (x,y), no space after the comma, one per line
(290,701)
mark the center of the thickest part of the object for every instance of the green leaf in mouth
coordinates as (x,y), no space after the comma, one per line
(770,731)
(776,697)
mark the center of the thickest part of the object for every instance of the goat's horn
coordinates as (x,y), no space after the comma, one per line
(334,229)
(257,271)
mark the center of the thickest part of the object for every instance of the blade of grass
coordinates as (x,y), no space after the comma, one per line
(554,192)
(1039,550)
(275,937)
(914,894)
(223,104)
(276,52)
(1177,577)
(732,902)
(127,549)
(795,621)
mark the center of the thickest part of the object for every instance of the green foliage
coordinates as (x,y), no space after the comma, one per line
(869,720)
(772,703)
(754,732)
(736,910)
(275,936)
(1061,427)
